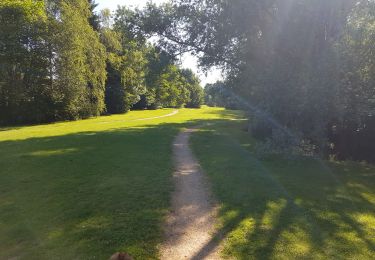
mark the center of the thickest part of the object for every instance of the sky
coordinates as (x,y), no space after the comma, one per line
(188,60)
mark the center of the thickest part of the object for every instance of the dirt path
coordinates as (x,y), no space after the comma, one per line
(156,117)
(141,119)
(191,223)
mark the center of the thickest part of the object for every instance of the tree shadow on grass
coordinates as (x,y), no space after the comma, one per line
(90,194)
(285,209)
(87,194)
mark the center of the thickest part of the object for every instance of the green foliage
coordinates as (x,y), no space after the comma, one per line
(94,18)
(353,134)
(53,65)
(125,68)
(157,63)
(218,95)
(125,81)
(192,84)
(59,60)
(306,66)
(80,63)
(24,93)
(177,88)
(358,68)
(140,75)
(171,91)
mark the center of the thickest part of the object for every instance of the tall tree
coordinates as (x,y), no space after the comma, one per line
(353,133)
(24,92)
(80,61)
(285,59)
(94,18)
(125,65)
(52,63)
(192,84)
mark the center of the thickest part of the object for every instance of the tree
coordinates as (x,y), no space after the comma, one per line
(158,62)
(125,66)
(192,84)
(285,59)
(24,92)
(352,135)
(52,63)
(141,75)
(170,90)
(55,57)
(218,95)
(79,62)
(94,19)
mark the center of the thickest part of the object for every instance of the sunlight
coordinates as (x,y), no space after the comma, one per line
(271,216)
(111,147)
(53,152)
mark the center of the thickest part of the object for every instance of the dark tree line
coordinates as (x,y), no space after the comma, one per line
(217,95)
(305,68)
(61,61)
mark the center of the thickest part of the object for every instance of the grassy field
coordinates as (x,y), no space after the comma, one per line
(86,189)
(286,209)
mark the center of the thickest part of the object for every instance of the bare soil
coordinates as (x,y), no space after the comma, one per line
(191,223)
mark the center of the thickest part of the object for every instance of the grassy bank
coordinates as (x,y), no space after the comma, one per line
(286,209)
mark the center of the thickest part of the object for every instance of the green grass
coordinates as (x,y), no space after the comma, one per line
(86,189)
(286,209)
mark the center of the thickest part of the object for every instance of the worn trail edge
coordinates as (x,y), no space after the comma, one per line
(156,117)
(142,119)
(191,223)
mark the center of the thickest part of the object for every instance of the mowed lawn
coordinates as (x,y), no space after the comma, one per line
(86,189)
(275,208)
